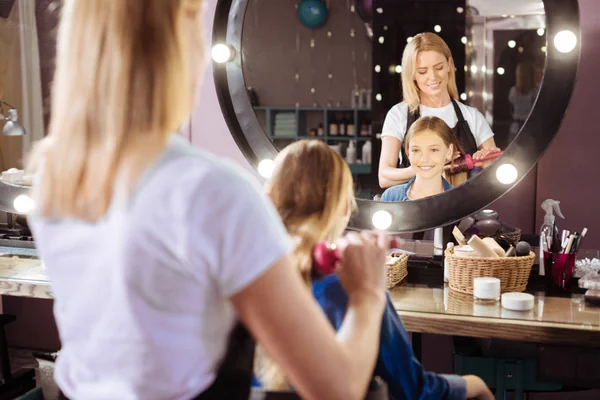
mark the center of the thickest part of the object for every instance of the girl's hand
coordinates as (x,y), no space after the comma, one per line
(477,389)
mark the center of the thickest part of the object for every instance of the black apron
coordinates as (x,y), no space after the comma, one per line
(462,131)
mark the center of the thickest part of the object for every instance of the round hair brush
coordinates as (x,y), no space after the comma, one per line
(466,162)
(327,254)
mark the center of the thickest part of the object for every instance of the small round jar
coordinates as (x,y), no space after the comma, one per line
(486,289)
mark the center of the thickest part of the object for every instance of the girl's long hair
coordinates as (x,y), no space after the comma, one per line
(123,78)
(311,188)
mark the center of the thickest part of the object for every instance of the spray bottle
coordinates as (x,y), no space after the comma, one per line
(549,226)
(549,238)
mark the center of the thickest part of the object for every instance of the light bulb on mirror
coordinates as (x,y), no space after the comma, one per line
(500,71)
(382,219)
(437,28)
(463,40)
(378,68)
(507,174)
(565,41)
(512,44)
(265,168)
(398,69)
(222,53)
(463,96)
(23,204)
(541,31)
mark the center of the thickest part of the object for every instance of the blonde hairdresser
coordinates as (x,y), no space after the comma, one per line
(151,258)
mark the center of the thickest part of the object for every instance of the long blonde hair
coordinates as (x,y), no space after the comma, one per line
(444,132)
(425,41)
(122,78)
(311,188)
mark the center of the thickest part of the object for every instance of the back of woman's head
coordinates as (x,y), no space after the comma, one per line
(311,188)
(123,76)
(425,41)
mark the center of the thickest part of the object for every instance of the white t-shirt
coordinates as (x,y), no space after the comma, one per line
(141,296)
(395,121)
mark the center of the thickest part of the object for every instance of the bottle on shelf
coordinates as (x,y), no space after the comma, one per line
(366,152)
(320,129)
(333,126)
(350,130)
(364,129)
(351,153)
(342,126)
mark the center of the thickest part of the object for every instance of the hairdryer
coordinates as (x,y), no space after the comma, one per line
(327,254)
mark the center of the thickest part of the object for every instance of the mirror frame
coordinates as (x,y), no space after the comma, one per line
(524,152)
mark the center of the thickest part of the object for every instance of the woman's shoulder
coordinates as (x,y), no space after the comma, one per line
(399,110)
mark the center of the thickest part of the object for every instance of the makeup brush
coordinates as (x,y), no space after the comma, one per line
(327,254)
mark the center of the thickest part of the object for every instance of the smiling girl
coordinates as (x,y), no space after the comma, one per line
(429,144)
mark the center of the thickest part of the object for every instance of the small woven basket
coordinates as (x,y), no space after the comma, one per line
(397,268)
(513,272)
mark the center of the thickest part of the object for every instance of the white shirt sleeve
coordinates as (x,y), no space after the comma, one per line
(394,124)
(481,129)
(237,231)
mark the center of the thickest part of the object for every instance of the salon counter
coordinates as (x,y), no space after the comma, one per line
(22,274)
(439,310)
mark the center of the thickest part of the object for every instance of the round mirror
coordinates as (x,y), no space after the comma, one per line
(487,75)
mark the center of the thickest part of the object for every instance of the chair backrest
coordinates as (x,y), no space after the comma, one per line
(378,390)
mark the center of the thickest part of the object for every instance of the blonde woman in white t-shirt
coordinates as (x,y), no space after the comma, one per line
(153,249)
(429,89)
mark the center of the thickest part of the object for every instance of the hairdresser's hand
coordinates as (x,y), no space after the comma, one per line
(478,155)
(362,267)
(477,389)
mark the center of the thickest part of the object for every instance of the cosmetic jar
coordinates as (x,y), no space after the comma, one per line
(517,301)
(486,289)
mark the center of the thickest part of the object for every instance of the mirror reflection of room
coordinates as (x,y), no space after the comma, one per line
(338,74)
(460,76)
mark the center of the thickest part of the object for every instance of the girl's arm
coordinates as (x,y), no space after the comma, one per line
(389,174)
(281,313)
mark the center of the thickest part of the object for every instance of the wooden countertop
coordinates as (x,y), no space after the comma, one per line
(565,320)
(22,274)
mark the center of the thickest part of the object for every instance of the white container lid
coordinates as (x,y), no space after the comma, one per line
(486,288)
(518,301)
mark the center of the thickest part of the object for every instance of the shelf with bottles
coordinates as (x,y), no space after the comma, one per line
(313,122)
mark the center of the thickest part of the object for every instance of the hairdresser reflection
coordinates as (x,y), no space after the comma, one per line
(429,89)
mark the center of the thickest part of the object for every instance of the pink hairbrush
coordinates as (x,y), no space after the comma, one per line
(466,162)
(327,254)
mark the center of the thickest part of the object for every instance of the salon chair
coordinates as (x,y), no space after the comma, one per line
(23,380)
(377,391)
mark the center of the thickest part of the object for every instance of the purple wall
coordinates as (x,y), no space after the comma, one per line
(272,60)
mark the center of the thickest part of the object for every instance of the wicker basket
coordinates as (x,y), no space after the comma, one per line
(397,268)
(513,272)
